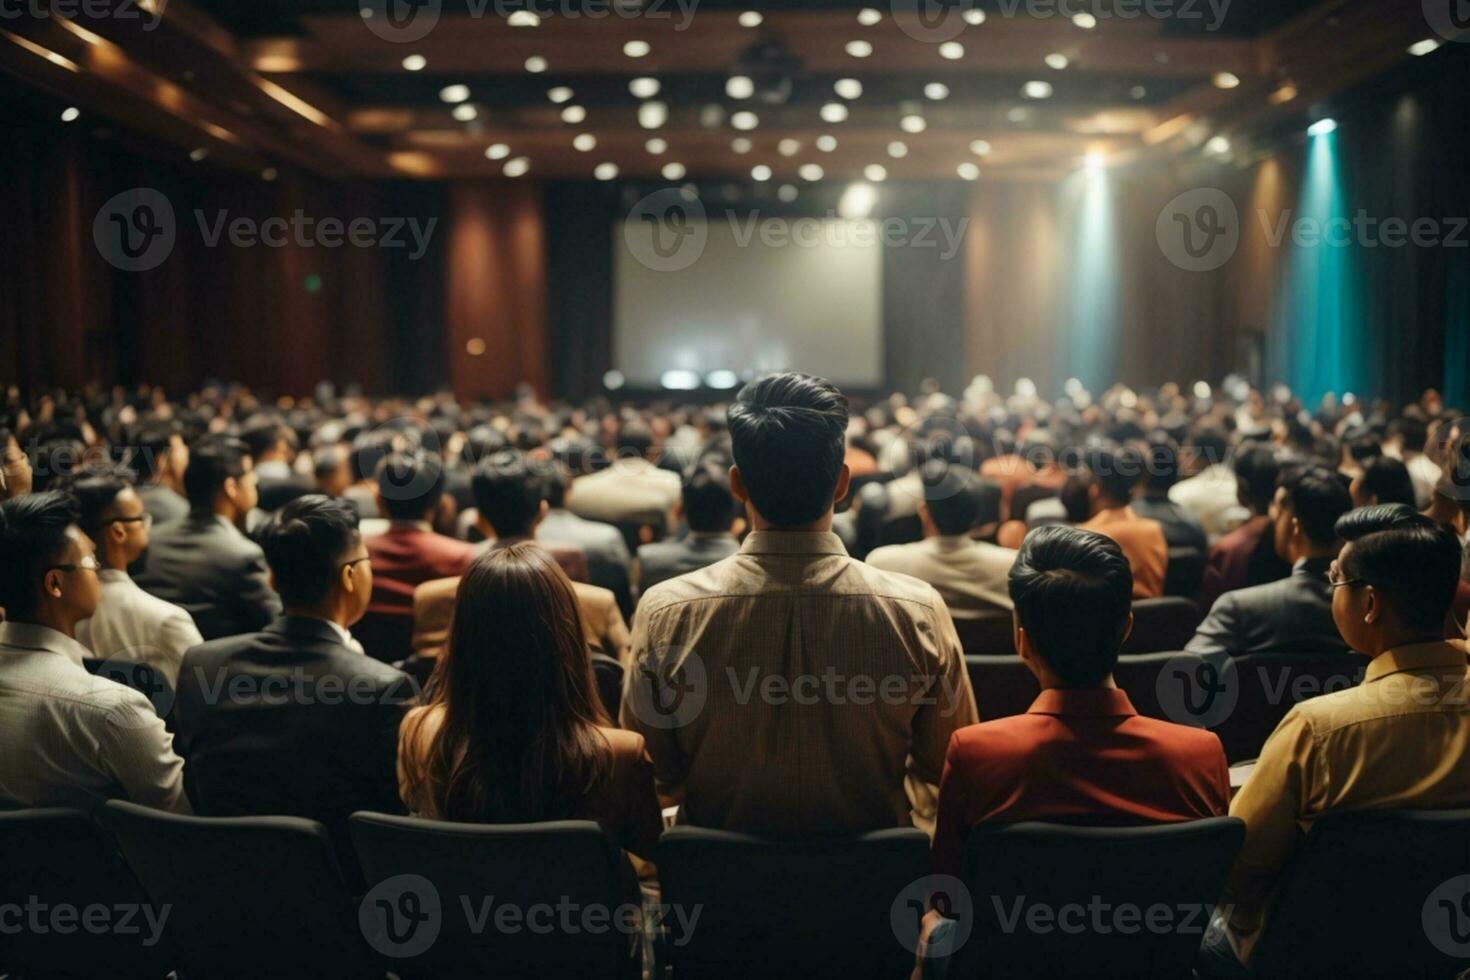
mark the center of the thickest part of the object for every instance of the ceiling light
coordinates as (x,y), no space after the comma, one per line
(652,115)
(826,143)
(535,64)
(898,149)
(1095,160)
(810,171)
(1427,46)
(199,155)
(1323,127)
(1138,92)
(848,88)
(454,93)
(869,16)
(1282,95)
(751,18)
(1225,79)
(788,147)
(968,171)
(656,146)
(1018,115)
(857,201)
(673,171)
(739,87)
(585,142)
(859,49)
(523,18)
(605,171)
(1218,146)
(643,88)
(833,112)
(974,17)
(1057,60)
(936,91)
(559,94)
(740,144)
(980,148)
(70,114)
(517,167)
(573,114)
(787,193)
(636,49)
(745,120)
(465,112)
(1085,21)
(1037,90)
(876,172)
(415,62)
(760,172)
(497,151)
(952,50)
(269,174)
(912,124)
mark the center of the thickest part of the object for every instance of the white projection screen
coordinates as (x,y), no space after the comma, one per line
(768,294)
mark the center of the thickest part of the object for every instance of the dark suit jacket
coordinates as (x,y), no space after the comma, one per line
(278,491)
(664,560)
(213,571)
(1293,615)
(1244,557)
(289,721)
(165,505)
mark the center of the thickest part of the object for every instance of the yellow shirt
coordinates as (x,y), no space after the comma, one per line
(1398,741)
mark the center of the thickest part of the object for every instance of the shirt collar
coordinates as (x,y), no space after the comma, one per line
(1417,656)
(112,575)
(32,636)
(793,543)
(951,542)
(1091,702)
(1312,566)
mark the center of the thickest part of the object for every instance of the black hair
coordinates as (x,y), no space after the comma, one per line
(326,459)
(708,503)
(1410,559)
(557,480)
(263,435)
(410,484)
(32,536)
(635,439)
(1317,498)
(305,544)
(1412,433)
(1117,471)
(1210,445)
(54,461)
(1362,445)
(1073,591)
(956,499)
(1256,472)
(479,443)
(369,449)
(787,435)
(508,493)
(1387,480)
(96,490)
(211,463)
(150,443)
(1162,471)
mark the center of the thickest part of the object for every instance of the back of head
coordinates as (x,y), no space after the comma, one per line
(212,462)
(508,493)
(150,445)
(1412,434)
(266,435)
(556,481)
(410,484)
(96,490)
(32,536)
(1362,445)
(1162,464)
(955,497)
(1210,446)
(709,506)
(305,544)
(1317,498)
(1073,591)
(369,450)
(787,435)
(1256,472)
(1116,471)
(635,439)
(1411,560)
(1387,481)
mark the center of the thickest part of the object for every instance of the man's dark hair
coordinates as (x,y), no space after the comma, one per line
(787,435)
(557,480)
(32,536)
(326,459)
(708,504)
(1317,498)
(55,461)
(1210,445)
(1162,471)
(149,445)
(958,497)
(635,439)
(508,493)
(410,484)
(1073,590)
(369,449)
(1412,433)
(1117,471)
(1388,481)
(1411,560)
(479,443)
(305,544)
(96,490)
(211,463)
(1362,444)
(264,435)
(1256,472)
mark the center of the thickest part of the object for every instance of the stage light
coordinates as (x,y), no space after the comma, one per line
(739,87)
(497,151)
(454,93)
(605,171)
(1025,387)
(936,91)
(1283,95)
(788,147)
(199,155)
(951,51)
(968,171)
(1322,127)
(912,124)
(1085,21)
(559,94)
(745,120)
(475,346)
(637,49)
(584,142)
(573,114)
(722,379)
(876,172)
(652,115)
(643,88)
(857,201)
(523,18)
(1037,90)
(535,64)
(1202,390)
(1226,80)
(848,88)
(810,171)
(974,16)
(1137,93)
(869,16)
(859,49)
(71,114)
(517,167)
(760,172)
(826,143)
(740,144)
(750,18)
(981,148)
(415,62)
(833,112)
(269,174)
(465,113)
(613,380)
(1427,46)
(680,380)
(1018,115)
(1057,60)
(898,149)
(656,146)
(1219,146)
(673,171)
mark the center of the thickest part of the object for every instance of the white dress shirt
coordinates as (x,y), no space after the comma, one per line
(70,739)
(1211,497)
(971,576)
(130,624)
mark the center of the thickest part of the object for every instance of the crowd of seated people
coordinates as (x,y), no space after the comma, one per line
(796,559)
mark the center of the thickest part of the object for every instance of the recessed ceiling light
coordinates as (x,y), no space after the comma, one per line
(652,115)
(936,91)
(787,193)
(788,147)
(810,171)
(199,155)
(535,64)
(1427,46)
(559,94)
(1219,146)
(517,167)
(673,171)
(1283,95)
(981,148)
(1225,79)
(751,18)
(465,112)
(968,171)
(974,17)
(1138,92)
(71,114)
(826,143)
(833,112)
(952,50)
(739,87)
(1037,90)
(584,142)
(857,201)
(859,49)
(415,62)
(454,93)
(497,151)
(745,120)
(636,49)
(740,144)
(1057,60)
(869,16)
(1018,115)
(656,146)
(1323,127)
(643,88)
(912,124)
(523,18)
(875,172)
(848,88)
(605,171)
(760,172)
(898,149)
(573,114)
(1085,21)
(269,174)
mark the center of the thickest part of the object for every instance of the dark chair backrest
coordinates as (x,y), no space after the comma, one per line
(248,896)
(609,676)
(776,909)
(1162,624)
(385,636)
(1185,572)
(1057,901)
(990,634)
(465,876)
(1141,677)
(1003,686)
(1269,684)
(1382,893)
(140,677)
(62,859)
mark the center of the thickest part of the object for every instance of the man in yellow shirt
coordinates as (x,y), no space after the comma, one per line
(1392,742)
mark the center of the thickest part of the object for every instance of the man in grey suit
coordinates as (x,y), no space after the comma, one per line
(1293,615)
(709,509)
(204,562)
(160,458)
(603,544)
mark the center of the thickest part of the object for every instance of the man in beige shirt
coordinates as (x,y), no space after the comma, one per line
(1395,742)
(790,689)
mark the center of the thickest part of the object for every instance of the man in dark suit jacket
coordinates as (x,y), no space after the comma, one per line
(204,562)
(294,719)
(709,509)
(273,446)
(1293,615)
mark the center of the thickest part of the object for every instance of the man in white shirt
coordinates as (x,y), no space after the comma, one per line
(129,624)
(1407,438)
(67,738)
(1210,495)
(632,490)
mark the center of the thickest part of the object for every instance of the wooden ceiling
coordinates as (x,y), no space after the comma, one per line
(307,83)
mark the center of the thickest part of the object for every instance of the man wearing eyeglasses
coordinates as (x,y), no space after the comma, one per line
(129,624)
(67,738)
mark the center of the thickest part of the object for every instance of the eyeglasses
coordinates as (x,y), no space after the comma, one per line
(1336,581)
(144,519)
(88,563)
(357,561)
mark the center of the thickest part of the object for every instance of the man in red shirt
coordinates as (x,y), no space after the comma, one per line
(1081,754)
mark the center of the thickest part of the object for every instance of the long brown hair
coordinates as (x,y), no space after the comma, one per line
(518,738)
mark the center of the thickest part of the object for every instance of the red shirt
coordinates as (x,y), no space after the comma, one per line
(405,557)
(1078,756)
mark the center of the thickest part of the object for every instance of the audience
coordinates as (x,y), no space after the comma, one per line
(1293,615)
(160,458)
(631,492)
(1161,471)
(1408,437)
(602,544)
(205,563)
(129,624)
(709,510)
(1115,474)
(790,611)
(1210,493)
(15,467)
(1247,555)
(273,447)
(1382,480)
(67,738)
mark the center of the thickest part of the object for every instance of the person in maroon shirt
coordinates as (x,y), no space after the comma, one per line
(1081,755)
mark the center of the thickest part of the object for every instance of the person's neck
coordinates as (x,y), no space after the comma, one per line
(331,614)
(818,526)
(1051,682)
(229,513)
(510,539)
(1312,552)
(113,561)
(1104,505)
(1392,638)
(52,620)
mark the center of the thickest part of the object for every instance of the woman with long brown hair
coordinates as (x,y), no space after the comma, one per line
(514,731)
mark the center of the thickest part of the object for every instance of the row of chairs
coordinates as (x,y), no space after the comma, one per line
(1369,894)
(1158,624)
